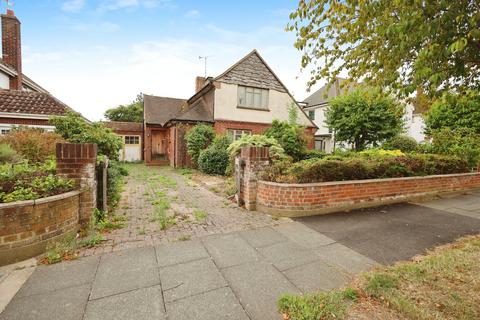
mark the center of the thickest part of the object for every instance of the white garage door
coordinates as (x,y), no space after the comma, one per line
(132,149)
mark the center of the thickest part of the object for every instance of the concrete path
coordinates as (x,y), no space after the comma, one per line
(398,232)
(229,276)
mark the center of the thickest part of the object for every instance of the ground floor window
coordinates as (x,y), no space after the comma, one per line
(4,131)
(235,134)
(320,144)
(132,140)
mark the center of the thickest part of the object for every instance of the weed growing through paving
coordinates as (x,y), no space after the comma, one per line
(142,231)
(184,238)
(167,182)
(200,215)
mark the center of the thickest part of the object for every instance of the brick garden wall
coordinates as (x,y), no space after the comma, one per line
(293,200)
(27,226)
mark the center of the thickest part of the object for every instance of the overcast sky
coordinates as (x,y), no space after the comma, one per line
(97,54)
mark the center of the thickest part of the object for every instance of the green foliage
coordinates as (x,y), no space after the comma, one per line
(198,139)
(313,154)
(33,144)
(75,129)
(369,165)
(213,160)
(221,142)
(26,181)
(200,215)
(403,45)
(324,305)
(455,111)
(92,240)
(293,114)
(276,150)
(115,182)
(463,143)
(379,283)
(364,117)
(132,112)
(289,136)
(8,154)
(401,142)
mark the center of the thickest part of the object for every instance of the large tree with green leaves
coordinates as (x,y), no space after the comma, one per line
(132,112)
(403,45)
(364,117)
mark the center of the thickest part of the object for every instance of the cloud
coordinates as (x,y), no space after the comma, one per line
(73,5)
(192,13)
(111,5)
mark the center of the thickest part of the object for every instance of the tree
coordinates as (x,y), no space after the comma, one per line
(132,112)
(364,117)
(455,111)
(289,136)
(403,45)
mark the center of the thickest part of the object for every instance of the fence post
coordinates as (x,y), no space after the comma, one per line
(77,161)
(104,185)
(248,165)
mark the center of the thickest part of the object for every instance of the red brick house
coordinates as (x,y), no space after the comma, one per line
(244,99)
(22,101)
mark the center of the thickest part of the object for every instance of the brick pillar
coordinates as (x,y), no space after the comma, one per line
(77,161)
(248,165)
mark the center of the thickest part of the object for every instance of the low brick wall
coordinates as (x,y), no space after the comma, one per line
(295,200)
(26,227)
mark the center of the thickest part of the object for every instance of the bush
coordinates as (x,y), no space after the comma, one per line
(198,139)
(213,161)
(75,129)
(7,154)
(115,181)
(364,166)
(289,136)
(26,181)
(463,143)
(276,150)
(313,154)
(401,142)
(33,144)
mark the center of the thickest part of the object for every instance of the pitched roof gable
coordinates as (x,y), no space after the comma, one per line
(160,110)
(252,71)
(30,102)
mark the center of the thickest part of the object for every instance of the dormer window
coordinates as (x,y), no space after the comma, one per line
(254,98)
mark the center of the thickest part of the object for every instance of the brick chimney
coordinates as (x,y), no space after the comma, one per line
(199,83)
(11,47)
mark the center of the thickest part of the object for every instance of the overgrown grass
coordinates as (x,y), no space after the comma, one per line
(444,284)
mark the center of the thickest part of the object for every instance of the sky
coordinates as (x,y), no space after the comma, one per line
(97,54)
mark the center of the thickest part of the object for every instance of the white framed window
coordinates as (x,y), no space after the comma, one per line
(4,131)
(249,97)
(235,134)
(132,140)
(320,144)
(311,114)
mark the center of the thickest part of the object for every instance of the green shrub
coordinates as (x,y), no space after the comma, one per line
(213,161)
(401,142)
(115,181)
(289,136)
(313,154)
(364,166)
(463,143)
(198,139)
(33,144)
(8,154)
(276,150)
(221,142)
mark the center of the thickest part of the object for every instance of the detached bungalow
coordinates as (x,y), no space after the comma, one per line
(244,99)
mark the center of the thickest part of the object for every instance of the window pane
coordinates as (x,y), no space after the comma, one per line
(249,99)
(257,100)
(311,114)
(241,96)
(264,99)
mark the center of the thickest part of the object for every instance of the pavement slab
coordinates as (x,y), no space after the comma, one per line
(64,304)
(145,304)
(262,237)
(258,285)
(338,255)
(58,276)
(200,307)
(303,235)
(286,255)
(317,276)
(187,279)
(229,250)
(180,252)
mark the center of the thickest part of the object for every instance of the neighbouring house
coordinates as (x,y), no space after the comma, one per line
(22,101)
(317,103)
(244,99)
(132,135)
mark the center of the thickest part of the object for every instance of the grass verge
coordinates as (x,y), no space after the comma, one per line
(443,284)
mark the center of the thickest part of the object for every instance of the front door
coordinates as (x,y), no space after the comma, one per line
(159,145)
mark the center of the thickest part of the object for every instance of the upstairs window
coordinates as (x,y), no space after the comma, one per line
(254,98)
(311,114)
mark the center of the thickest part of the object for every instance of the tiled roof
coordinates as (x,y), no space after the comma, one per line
(30,102)
(198,111)
(326,93)
(252,71)
(124,126)
(160,110)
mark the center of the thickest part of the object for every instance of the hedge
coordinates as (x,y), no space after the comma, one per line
(364,166)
